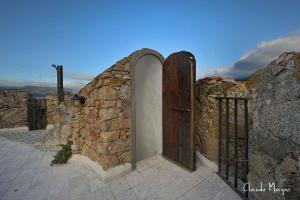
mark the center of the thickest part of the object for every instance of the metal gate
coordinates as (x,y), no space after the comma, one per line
(37,114)
(233,142)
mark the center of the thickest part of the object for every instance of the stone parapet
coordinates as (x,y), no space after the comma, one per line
(207,129)
(274,141)
(14,109)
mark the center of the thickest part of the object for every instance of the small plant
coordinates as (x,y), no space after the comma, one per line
(63,155)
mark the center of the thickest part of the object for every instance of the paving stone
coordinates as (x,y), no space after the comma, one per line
(193,178)
(148,173)
(204,172)
(95,184)
(227,193)
(154,160)
(6,181)
(129,194)
(37,192)
(134,178)
(181,198)
(78,182)
(104,193)
(29,137)
(196,194)
(17,190)
(151,186)
(171,191)
(58,187)
(142,165)
(211,186)
(155,178)
(63,195)
(119,186)
(80,191)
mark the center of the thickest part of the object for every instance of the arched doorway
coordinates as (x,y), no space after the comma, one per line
(146,104)
(163,107)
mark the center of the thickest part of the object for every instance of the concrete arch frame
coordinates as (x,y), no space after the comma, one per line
(134,60)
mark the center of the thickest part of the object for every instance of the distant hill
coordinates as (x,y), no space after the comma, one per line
(242,79)
(36,91)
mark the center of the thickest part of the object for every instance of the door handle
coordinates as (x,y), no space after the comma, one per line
(182,109)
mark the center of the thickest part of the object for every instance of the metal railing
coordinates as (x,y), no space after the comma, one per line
(228,164)
(37,114)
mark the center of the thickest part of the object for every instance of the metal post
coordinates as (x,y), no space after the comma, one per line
(227,135)
(33,108)
(40,114)
(220,134)
(235,143)
(60,85)
(246,142)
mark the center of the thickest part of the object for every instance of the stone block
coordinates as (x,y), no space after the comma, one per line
(107,93)
(108,113)
(119,123)
(109,136)
(114,82)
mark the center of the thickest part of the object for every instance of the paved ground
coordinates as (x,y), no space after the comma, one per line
(25,174)
(28,137)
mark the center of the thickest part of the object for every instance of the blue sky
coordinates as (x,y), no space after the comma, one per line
(87,37)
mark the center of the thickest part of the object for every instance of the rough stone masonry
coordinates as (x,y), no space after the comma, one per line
(275,138)
(52,104)
(14,109)
(207,130)
(101,126)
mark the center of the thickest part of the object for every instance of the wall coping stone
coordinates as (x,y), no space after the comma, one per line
(105,176)
(14,130)
(207,163)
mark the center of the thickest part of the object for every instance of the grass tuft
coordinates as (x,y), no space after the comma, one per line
(63,155)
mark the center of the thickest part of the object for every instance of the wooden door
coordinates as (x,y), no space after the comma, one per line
(178,109)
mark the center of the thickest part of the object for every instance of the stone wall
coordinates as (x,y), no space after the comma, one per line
(274,141)
(60,119)
(18,109)
(14,109)
(101,127)
(52,105)
(207,113)
(60,133)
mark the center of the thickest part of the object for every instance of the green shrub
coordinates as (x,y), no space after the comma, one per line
(63,155)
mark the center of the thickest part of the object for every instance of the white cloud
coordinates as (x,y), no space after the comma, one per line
(258,58)
(219,71)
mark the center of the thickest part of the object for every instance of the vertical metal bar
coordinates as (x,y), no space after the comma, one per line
(40,114)
(246,141)
(60,84)
(33,105)
(227,135)
(220,134)
(235,144)
(60,87)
